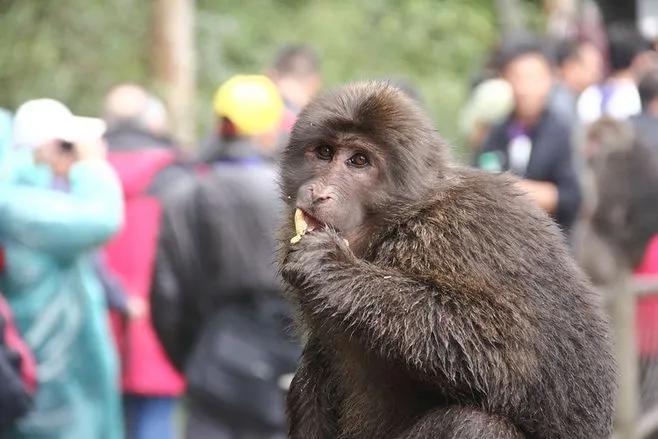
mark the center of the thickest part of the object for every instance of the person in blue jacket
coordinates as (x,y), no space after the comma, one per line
(58,205)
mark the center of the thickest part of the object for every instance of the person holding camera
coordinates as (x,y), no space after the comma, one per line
(59,204)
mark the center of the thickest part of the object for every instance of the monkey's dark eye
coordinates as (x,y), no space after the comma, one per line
(359,160)
(324,152)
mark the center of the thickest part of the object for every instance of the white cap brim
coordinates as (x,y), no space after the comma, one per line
(83,129)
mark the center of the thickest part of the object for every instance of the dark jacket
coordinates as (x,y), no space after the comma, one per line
(217,252)
(551,160)
(128,136)
(562,102)
(216,243)
(646,130)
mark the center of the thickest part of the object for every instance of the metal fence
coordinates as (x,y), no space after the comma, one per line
(633,307)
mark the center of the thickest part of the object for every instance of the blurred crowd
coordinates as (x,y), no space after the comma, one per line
(577,123)
(138,292)
(139,295)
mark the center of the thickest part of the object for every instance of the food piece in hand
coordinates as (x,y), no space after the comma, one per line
(300,226)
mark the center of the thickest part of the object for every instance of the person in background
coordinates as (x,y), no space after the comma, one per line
(216,295)
(617,234)
(630,56)
(17,367)
(296,71)
(55,211)
(646,123)
(533,142)
(579,66)
(134,117)
(646,130)
(145,160)
(490,103)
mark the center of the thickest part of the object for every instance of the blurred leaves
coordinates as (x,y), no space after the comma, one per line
(436,45)
(74,50)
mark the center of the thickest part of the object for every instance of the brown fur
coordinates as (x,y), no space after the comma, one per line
(460,314)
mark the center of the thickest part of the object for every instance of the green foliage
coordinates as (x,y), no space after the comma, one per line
(74,50)
(436,45)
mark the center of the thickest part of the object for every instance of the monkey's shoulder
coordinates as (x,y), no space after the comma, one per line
(479,221)
(498,193)
(482,202)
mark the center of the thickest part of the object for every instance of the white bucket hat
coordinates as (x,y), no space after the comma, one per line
(42,120)
(490,102)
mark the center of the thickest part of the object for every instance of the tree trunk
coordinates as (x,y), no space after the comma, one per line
(510,16)
(174,64)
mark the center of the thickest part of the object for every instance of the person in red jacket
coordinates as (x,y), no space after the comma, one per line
(146,162)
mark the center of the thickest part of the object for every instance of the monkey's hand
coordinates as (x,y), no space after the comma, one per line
(316,255)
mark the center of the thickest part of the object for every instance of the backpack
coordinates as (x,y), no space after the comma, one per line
(242,363)
(17,370)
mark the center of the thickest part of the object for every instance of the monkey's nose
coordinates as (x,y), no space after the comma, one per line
(319,197)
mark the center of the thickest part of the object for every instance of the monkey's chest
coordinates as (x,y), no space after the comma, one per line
(377,399)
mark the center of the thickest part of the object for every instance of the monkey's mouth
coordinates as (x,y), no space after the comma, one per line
(313,223)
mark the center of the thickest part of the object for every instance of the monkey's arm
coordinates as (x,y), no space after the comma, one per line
(435,328)
(311,399)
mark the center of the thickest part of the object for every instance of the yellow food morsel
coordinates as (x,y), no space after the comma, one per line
(300,226)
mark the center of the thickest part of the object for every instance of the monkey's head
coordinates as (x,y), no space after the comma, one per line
(355,150)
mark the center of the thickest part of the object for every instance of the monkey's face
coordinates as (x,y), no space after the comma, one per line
(342,180)
(355,151)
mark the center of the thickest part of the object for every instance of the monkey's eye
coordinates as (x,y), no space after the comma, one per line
(359,160)
(324,152)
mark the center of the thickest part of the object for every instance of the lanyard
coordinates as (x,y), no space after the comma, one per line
(518,149)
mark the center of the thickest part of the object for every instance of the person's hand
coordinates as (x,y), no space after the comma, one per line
(543,193)
(58,159)
(137,307)
(91,149)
